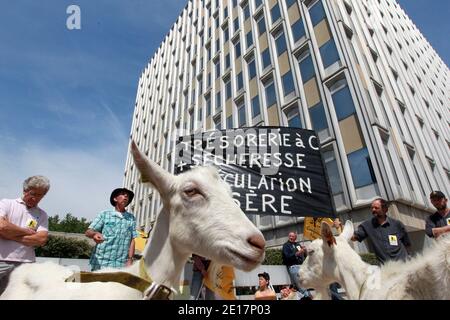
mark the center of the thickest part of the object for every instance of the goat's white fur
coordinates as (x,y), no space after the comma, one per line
(209,224)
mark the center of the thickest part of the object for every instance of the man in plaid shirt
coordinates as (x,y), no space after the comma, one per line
(114,231)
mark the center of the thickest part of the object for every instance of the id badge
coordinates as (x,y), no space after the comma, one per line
(32,224)
(393,240)
(448,221)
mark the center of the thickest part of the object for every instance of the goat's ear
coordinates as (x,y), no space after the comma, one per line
(327,234)
(348,231)
(152,172)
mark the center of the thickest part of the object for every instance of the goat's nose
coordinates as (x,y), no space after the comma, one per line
(257,241)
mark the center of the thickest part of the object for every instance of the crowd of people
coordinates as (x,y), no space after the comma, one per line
(24,226)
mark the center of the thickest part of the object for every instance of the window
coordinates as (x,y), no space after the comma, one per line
(246,12)
(266,58)
(288,83)
(217,45)
(200,115)
(208,53)
(251,69)
(361,168)
(217,124)
(261,26)
(298,30)
(208,105)
(289,3)
(236,24)
(226,34)
(239,81)
(218,102)
(280,43)
(307,69)
(293,118)
(227,61)
(275,13)
(228,89)
(391,163)
(200,86)
(318,117)
(237,49)
(217,69)
(343,103)
(317,12)
(191,122)
(332,171)
(258,3)
(329,53)
(256,109)
(271,96)
(241,115)
(217,22)
(249,38)
(230,122)
(209,79)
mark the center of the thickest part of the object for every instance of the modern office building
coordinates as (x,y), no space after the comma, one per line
(358,72)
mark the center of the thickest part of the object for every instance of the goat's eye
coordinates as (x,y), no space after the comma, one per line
(190,192)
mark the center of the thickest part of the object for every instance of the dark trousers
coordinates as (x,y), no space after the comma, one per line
(335,295)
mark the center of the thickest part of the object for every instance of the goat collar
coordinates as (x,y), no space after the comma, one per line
(143,282)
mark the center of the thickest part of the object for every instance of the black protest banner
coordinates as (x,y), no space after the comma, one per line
(272,170)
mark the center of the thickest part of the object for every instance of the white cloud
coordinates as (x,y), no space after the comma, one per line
(81,181)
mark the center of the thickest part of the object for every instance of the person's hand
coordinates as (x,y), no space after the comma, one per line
(29,231)
(129,262)
(98,238)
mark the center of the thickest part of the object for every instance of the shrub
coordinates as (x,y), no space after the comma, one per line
(61,247)
(370,258)
(274,257)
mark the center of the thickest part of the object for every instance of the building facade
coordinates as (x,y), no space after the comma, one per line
(357,72)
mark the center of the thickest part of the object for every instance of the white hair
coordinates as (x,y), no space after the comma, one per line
(36,182)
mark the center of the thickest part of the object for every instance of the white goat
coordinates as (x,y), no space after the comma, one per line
(332,259)
(198,216)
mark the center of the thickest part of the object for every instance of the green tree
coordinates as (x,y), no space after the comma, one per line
(69,224)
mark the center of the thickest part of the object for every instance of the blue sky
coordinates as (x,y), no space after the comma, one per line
(431,17)
(67,96)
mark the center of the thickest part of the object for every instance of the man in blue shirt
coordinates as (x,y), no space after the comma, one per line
(114,232)
(388,236)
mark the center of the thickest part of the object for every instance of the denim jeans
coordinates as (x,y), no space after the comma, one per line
(293,274)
